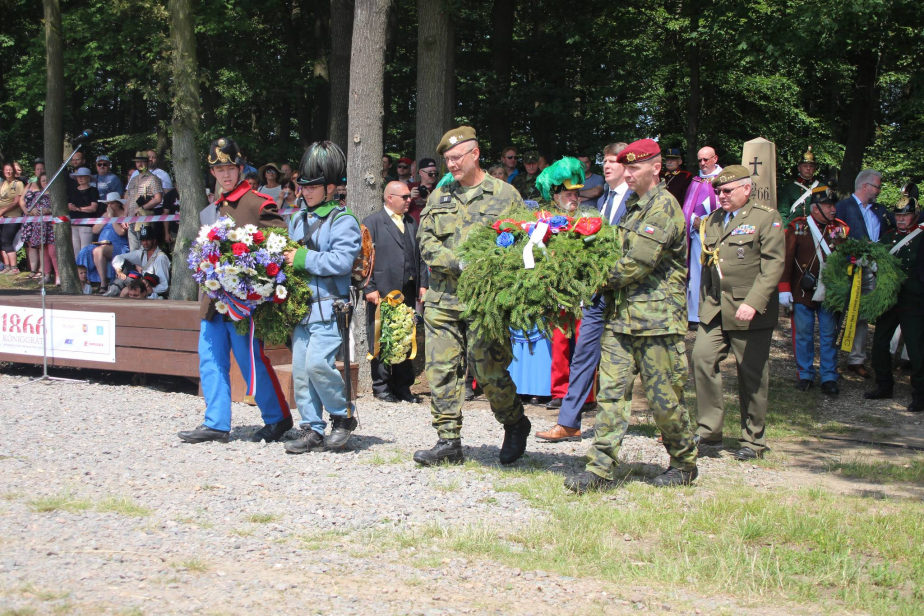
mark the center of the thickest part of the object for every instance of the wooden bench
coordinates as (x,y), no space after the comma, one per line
(152,337)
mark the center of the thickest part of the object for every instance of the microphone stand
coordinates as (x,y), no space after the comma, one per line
(45,376)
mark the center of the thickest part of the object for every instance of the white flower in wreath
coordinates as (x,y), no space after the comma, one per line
(203,236)
(232,270)
(212,285)
(205,266)
(281,292)
(236,235)
(221,307)
(275,243)
(250,229)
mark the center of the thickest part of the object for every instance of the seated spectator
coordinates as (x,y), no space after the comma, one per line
(150,259)
(498,171)
(39,236)
(269,182)
(85,287)
(113,241)
(136,289)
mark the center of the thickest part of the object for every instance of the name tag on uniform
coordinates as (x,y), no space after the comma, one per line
(446,199)
(743,230)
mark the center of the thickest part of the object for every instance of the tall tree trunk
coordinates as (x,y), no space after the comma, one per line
(501,64)
(861,129)
(694,99)
(162,114)
(189,181)
(435,75)
(54,144)
(341,35)
(364,163)
(320,111)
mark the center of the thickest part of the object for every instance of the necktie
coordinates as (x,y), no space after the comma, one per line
(398,221)
(620,210)
(608,206)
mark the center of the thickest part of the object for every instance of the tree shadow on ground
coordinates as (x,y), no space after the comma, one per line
(358,442)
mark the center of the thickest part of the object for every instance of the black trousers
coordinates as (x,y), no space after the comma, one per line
(395,379)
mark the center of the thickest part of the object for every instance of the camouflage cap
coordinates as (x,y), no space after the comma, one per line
(732,173)
(639,151)
(531,156)
(454,137)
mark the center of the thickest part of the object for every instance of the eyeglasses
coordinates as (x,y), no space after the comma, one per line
(454,160)
(102,164)
(702,160)
(876,186)
(509,157)
(727,191)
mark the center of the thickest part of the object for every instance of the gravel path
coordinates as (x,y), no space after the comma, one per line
(245,528)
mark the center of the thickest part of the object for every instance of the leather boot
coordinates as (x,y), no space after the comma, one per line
(446,450)
(917,400)
(272,432)
(203,434)
(882,391)
(515,436)
(341,429)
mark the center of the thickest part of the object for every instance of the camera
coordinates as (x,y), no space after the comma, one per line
(424,191)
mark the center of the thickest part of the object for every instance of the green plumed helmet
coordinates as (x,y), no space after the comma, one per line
(567,173)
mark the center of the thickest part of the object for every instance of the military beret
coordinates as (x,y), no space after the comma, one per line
(455,137)
(639,151)
(732,173)
(672,153)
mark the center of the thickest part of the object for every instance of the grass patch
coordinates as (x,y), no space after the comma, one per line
(193,565)
(831,552)
(911,471)
(18,611)
(262,518)
(451,485)
(11,496)
(648,429)
(42,594)
(64,501)
(383,458)
(874,420)
(241,532)
(123,506)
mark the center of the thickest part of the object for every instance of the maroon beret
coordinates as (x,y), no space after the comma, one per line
(638,151)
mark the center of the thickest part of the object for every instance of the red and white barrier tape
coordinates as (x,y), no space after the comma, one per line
(89,221)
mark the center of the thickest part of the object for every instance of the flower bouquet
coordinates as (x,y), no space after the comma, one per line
(244,271)
(858,256)
(395,330)
(535,270)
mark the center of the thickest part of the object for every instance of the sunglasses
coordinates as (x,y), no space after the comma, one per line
(405,197)
(430,173)
(509,157)
(403,166)
(727,191)
(102,164)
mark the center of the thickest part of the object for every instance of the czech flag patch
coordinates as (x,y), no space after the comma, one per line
(649,229)
(776,224)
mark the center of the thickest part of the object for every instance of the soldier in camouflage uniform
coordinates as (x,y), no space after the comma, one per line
(645,335)
(471,200)
(525,183)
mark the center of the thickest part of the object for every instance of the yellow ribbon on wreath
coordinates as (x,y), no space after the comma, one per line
(395,298)
(853,307)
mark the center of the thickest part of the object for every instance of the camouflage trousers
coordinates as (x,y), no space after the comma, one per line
(448,337)
(662,362)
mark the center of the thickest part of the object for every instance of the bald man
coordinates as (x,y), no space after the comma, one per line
(398,267)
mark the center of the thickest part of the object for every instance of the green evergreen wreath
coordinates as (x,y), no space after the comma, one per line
(500,295)
(889,277)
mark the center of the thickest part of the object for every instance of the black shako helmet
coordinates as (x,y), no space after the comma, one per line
(322,163)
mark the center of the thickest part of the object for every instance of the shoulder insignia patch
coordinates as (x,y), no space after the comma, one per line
(446,199)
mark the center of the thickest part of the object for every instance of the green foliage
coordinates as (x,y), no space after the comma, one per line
(499,294)
(889,277)
(397,334)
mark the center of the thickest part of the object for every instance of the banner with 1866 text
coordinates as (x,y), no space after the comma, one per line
(72,334)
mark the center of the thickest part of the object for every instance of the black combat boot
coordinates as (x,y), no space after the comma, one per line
(272,432)
(515,436)
(342,428)
(588,482)
(447,450)
(917,400)
(883,391)
(676,477)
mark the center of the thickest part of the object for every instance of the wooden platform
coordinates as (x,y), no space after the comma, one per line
(152,337)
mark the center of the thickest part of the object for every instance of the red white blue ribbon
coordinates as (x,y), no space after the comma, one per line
(239,310)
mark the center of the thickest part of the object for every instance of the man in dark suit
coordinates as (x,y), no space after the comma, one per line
(398,267)
(867,221)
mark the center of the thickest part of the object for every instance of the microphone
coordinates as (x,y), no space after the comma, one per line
(84,136)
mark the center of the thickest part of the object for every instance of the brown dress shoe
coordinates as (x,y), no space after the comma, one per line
(859,369)
(560,433)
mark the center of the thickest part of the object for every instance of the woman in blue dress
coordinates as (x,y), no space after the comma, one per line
(531,368)
(97,257)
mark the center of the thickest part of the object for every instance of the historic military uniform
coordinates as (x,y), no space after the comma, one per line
(645,333)
(809,241)
(218,336)
(743,262)
(677,181)
(452,212)
(907,313)
(794,198)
